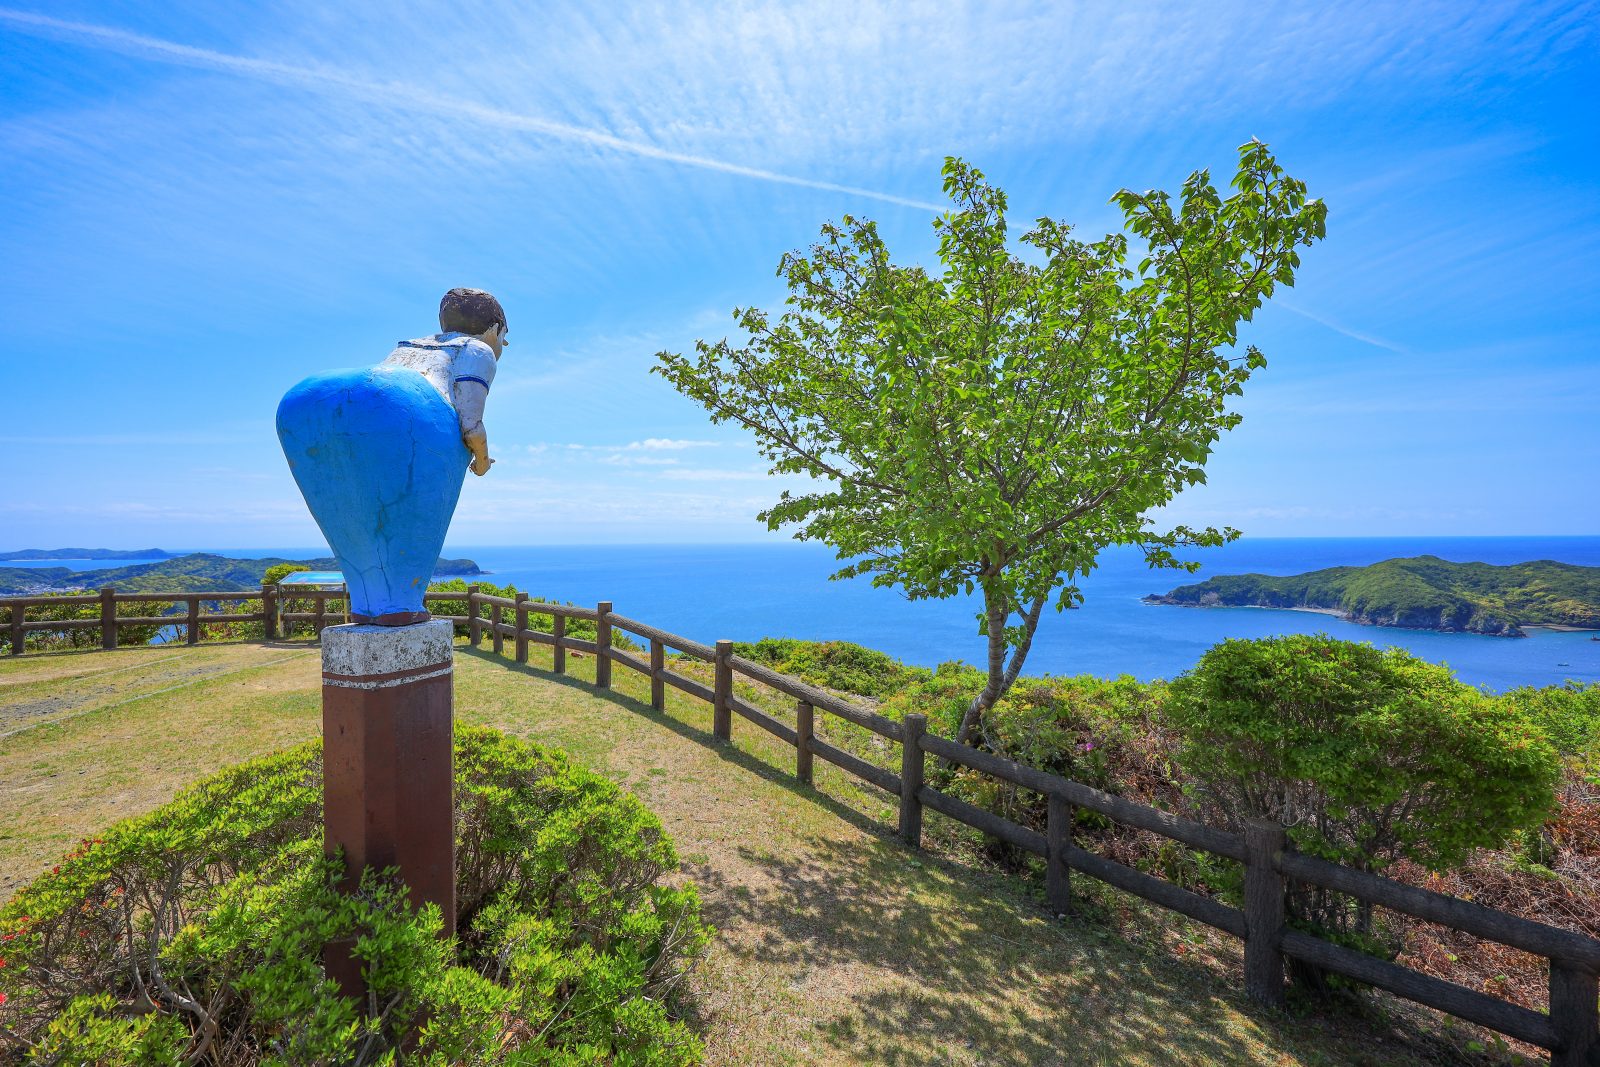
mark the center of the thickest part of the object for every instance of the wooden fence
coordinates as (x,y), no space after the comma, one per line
(1570,1030)
(327,609)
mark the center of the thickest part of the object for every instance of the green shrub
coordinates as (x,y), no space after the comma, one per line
(279,571)
(838,665)
(1569,716)
(1366,755)
(203,924)
(942,695)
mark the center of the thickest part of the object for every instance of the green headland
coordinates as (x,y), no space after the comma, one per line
(198,572)
(1420,593)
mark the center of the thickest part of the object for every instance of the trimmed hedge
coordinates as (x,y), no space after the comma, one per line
(195,933)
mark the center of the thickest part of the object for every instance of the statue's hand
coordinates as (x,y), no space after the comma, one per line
(481,464)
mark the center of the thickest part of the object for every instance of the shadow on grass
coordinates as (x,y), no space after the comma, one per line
(980,976)
(977,981)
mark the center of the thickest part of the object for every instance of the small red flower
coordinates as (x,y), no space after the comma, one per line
(2,998)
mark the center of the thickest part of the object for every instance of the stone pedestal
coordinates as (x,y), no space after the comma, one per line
(388,763)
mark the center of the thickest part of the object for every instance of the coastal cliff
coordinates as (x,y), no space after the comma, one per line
(1419,593)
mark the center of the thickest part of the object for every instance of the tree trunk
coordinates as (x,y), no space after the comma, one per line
(1002,675)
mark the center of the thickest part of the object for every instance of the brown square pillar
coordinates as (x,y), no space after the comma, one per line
(388,763)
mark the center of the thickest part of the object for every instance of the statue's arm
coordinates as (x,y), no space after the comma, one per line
(470,394)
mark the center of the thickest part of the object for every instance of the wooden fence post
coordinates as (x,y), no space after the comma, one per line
(602,644)
(722,692)
(108,618)
(19,615)
(558,650)
(522,627)
(912,762)
(269,612)
(498,638)
(191,632)
(804,724)
(1059,818)
(1263,913)
(474,624)
(658,685)
(1574,1015)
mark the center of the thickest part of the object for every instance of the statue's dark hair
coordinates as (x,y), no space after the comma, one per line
(470,311)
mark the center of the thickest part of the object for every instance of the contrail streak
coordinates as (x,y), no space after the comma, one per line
(398,94)
(1354,335)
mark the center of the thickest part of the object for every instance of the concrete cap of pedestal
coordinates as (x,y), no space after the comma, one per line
(357,651)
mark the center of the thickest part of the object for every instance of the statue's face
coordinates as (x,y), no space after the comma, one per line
(495,338)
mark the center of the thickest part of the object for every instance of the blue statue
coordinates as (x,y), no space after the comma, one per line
(380,453)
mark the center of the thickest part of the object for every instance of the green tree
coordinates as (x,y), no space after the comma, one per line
(279,571)
(991,428)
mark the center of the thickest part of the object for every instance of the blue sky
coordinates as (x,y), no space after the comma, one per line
(203,203)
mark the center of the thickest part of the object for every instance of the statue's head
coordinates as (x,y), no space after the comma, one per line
(475,312)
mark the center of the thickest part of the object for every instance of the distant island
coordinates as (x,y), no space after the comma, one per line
(1420,593)
(29,554)
(198,572)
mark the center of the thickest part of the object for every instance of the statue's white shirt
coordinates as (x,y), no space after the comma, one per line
(459,366)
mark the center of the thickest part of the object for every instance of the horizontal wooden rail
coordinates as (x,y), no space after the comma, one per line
(64,624)
(535,607)
(650,633)
(1158,891)
(1463,915)
(888,781)
(630,661)
(1512,1019)
(688,685)
(1119,809)
(983,819)
(817,698)
(763,720)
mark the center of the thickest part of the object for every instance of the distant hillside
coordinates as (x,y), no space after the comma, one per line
(1421,593)
(85,553)
(196,573)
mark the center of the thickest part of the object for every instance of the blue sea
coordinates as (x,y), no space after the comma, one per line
(745,592)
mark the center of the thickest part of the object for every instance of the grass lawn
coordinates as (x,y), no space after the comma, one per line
(837,944)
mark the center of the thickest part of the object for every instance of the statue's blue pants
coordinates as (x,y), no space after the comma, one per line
(377,454)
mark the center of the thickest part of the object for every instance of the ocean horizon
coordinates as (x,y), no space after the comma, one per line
(781,589)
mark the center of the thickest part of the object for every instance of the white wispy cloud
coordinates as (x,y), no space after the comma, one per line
(406,95)
(1354,335)
(666,444)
